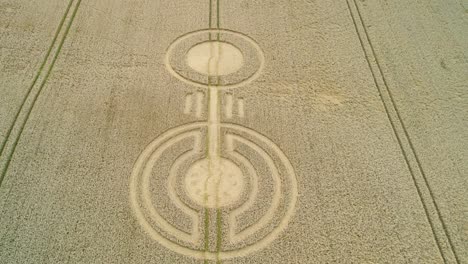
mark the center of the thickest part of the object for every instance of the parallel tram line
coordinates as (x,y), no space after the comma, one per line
(6,154)
(213,140)
(44,61)
(396,120)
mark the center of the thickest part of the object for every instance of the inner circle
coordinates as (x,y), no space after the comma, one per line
(214,183)
(215,58)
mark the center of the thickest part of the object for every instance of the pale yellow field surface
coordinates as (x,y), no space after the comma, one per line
(243,131)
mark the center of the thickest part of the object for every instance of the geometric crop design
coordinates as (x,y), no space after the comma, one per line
(213,190)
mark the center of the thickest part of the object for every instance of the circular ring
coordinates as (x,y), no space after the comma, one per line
(244,82)
(135,193)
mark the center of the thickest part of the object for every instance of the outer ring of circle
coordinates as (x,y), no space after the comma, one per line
(252,77)
(135,204)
